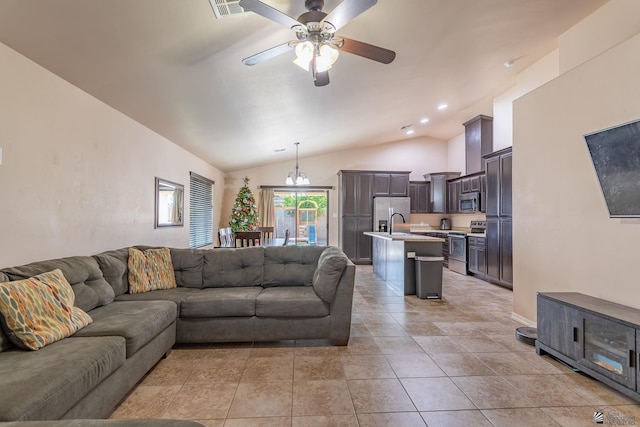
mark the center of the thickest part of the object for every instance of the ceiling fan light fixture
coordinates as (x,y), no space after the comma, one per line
(304,55)
(325,56)
(328,57)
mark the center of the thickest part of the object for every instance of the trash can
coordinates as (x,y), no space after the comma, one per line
(429,277)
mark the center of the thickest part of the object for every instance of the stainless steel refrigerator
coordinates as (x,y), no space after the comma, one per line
(381,211)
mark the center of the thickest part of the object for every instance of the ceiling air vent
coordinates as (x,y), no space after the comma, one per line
(226,8)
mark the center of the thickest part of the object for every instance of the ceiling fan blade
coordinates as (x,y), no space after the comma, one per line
(262,9)
(366,50)
(321,79)
(268,54)
(346,11)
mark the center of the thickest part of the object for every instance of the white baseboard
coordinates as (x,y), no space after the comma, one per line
(523,320)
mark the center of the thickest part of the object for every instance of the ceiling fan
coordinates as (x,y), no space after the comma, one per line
(317,45)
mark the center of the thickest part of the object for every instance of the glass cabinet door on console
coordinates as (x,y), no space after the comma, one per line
(609,348)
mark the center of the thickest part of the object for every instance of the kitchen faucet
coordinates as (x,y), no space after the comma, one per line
(391,221)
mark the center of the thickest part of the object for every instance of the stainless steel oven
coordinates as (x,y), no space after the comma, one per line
(458,252)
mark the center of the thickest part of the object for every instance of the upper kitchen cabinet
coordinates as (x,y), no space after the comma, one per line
(438,190)
(478,142)
(356,193)
(392,184)
(498,175)
(419,193)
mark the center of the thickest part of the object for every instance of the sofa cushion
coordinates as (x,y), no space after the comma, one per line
(290,265)
(290,301)
(82,272)
(176,295)
(331,264)
(38,311)
(45,384)
(187,266)
(137,321)
(114,269)
(232,267)
(221,302)
(150,270)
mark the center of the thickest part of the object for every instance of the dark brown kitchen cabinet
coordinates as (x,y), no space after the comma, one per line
(391,184)
(477,255)
(357,190)
(355,244)
(470,184)
(357,193)
(598,337)
(453,198)
(499,171)
(478,142)
(419,193)
(483,193)
(506,251)
(438,190)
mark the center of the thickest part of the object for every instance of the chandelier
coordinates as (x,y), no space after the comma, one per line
(297,177)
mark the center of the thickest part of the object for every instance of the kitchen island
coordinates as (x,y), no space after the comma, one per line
(393,257)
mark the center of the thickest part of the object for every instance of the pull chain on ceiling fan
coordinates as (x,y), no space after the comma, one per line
(317,47)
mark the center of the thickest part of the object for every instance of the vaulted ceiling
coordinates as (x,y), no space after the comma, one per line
(174,67)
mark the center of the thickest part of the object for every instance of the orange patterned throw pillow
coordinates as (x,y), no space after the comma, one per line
(39,310)
(150,270)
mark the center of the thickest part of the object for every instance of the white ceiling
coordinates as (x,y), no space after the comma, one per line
(172,66)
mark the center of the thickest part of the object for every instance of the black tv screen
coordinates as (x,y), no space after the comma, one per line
(615,153)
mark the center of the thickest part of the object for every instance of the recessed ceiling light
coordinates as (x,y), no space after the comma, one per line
(442,106)
(410,132)
(510,63)
(424,120)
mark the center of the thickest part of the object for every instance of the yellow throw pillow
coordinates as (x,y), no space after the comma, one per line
(39,310)
(150,270)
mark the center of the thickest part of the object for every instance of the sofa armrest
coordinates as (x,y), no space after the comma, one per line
(341,306)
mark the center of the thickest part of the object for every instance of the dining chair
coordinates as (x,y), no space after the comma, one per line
(225,237)
(267,232)
(245,239)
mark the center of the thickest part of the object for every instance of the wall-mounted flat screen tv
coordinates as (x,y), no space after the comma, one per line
(615,153)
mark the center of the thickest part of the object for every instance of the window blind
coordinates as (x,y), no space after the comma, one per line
(200,211)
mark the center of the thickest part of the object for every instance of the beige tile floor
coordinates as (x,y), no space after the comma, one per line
(409,362)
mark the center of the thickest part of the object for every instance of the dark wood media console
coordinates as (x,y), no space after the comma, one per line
(595,336)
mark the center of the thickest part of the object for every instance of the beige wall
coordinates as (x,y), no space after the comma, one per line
(563,237)
(418,155)
(77,177)
(613,23)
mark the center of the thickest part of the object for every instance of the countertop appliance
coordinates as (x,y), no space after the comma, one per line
(445,224)
(382,212)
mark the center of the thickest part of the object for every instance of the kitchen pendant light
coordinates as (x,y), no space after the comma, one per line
(297,177)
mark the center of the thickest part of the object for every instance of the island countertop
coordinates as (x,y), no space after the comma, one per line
(405,237)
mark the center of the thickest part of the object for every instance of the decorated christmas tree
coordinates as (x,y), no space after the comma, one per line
(244,216)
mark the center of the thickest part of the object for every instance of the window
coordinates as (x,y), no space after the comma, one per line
(201,211)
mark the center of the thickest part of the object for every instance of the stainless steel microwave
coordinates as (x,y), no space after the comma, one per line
(469,202)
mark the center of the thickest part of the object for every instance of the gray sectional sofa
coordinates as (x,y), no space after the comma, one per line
(222,295)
